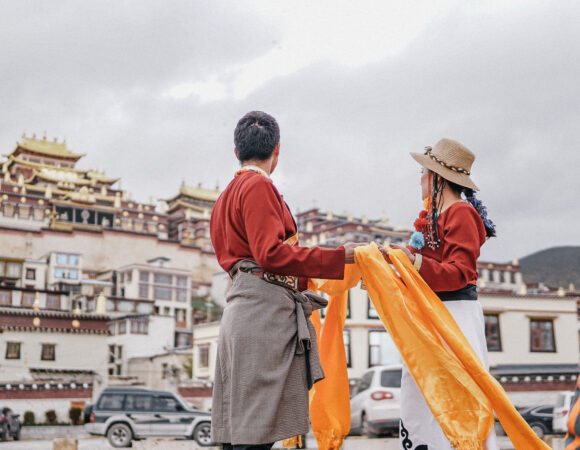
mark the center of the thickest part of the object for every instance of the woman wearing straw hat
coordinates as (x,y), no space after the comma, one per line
(444,249)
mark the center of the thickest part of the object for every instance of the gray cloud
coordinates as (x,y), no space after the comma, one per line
(505,84)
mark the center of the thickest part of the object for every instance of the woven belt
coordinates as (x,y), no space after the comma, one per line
(288,281)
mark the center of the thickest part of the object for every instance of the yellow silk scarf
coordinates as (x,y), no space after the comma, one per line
(459,391)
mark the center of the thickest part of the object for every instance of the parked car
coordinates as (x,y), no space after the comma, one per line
(9,425)
(123,414)
(561,412)
(539,419)
(375,406)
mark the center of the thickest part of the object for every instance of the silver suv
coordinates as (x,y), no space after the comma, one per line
(124,414)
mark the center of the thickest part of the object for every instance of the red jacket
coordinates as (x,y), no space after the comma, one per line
(250,220)
(453,264)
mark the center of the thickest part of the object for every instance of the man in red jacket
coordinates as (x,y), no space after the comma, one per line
(267,353)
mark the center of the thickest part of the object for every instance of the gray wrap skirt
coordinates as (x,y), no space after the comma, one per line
(267,360)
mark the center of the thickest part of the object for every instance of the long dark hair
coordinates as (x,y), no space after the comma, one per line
(436,200)
(477,204)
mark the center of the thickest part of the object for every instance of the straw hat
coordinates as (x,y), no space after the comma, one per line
(451,160)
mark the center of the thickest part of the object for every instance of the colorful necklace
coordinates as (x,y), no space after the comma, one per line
(252,168)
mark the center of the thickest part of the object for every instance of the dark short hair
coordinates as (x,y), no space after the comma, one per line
(256,136)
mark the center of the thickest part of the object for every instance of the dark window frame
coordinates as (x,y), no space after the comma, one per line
(534,334)
(18,353)
(203,356)
(9,297)
(48,299)
(347,346)
(488,326)
(45,353)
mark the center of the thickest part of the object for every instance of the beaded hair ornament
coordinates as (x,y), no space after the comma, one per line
(426,225)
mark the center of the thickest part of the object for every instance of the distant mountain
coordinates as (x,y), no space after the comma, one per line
(555,267)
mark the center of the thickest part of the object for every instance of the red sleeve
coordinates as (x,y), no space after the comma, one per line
(263,215)
(461,243)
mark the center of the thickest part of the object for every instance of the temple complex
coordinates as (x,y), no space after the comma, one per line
(43,189)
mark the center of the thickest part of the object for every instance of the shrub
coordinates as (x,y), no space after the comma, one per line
(29,418)
(50,416)
(74,414)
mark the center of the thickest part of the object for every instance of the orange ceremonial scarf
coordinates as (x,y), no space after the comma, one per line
(459,391)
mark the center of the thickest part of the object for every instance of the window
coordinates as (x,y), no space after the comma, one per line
(179,315)
(31,274)
(5,297)
(542,335)
(111,402)
(61,259)
(73,274)
(182,281)
(167,404)
(365,382)
(138,403)
(492,334)
(13,270)
(73,260)
(112,328)
(144,276)
(371,311)
(111,354)
(12,350)
(162,278)
(27,299)
(382,349)
(203,358)
(123,327)
(129,276)
(180,295)
(162,293)
(346,339)
(53,301)
(48,352)
(139,326)
(391,378)
(59,273)
(143,291)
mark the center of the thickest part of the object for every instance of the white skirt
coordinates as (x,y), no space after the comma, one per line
(418,428)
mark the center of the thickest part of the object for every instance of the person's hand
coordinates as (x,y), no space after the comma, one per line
(385,253)
(407,252)
(349,251)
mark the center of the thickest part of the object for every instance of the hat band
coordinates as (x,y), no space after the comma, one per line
(428,152)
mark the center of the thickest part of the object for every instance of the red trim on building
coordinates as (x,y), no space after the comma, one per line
(39,394)
(195,392)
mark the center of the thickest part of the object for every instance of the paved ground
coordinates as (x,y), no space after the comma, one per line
(351,443)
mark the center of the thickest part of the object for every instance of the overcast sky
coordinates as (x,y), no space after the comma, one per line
(152,90)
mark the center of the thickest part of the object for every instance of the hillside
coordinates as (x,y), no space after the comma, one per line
(555,267)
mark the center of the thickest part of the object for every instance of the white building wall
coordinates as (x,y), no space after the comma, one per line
(515,314)
(73,352)
(159,339)
(205,334)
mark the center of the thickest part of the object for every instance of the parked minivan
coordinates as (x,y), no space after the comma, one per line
(375,405)
(129,413)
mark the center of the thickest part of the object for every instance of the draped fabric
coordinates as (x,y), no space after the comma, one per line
(459,391)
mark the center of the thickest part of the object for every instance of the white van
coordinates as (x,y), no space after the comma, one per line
(561,411)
